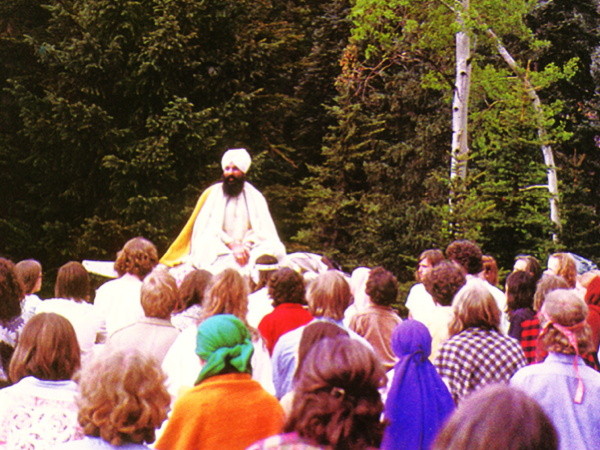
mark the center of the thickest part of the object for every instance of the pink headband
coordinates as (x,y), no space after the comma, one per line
(568,333)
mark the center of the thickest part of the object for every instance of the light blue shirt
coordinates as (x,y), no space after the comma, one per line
(552,384)
(285,355)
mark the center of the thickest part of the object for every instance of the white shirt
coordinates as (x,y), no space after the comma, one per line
(83,316)
(118,303)
(420,303)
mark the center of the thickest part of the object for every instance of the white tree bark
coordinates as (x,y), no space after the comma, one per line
(460,103)
(541,131)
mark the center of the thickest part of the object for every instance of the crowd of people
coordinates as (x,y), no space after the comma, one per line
(268,351)
(330,363)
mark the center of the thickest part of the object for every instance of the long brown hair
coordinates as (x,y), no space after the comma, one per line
(498,416)
(47,349)
(228,294)
(73,282)
(11,291)
(336,399)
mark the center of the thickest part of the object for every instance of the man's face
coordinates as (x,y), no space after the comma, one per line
(233,180)
(231,172)
(423,268)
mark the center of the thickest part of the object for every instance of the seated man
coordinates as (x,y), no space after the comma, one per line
(231,225)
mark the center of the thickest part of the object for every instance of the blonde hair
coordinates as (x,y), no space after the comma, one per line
(122,397)
(329,295)
(567,268)
(159,294)
(228,294)
(564,307)
(138,257)
(474,306)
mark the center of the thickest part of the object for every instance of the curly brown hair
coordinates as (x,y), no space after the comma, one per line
(467,254)
(382,286)
(122,397)
(336,401)
(286,286)
(138,257)
(444,281)
(11,291)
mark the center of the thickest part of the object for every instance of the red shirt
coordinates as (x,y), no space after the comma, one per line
(285,317)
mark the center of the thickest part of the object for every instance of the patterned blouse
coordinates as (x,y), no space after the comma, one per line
(476,357)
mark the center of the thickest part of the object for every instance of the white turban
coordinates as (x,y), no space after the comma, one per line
(239,157)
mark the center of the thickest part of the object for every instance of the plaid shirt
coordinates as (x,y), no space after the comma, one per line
(530,330)
(476,357)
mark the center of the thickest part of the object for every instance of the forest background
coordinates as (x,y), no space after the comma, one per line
(114,115)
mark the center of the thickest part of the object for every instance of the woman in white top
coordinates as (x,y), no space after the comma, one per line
(72,292)
(39,410)
(118,301)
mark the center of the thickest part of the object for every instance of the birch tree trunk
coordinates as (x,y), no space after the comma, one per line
(460,103)
(541,131)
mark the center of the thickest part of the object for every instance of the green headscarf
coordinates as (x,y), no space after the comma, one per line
(223,340)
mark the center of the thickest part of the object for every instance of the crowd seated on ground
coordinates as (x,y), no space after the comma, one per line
(293,352)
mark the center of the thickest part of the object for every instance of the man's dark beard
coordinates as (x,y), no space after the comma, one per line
(233,186)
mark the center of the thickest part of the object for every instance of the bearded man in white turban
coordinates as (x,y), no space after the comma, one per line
(230,226)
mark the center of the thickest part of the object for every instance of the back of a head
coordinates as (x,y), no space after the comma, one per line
(138,257)
(490,269)
(336,400)
(313,333)
(520,288)
(73,282)
(224,343)
(545,285)
(29,272)
(382,286)
(566,309)
(286,286)
(193,288)
(228,294)
(498,416)
(47,349)
(474,306)
(329,295)
(566,267)
(123,398)
(159,294)
(266,266)
(443,282)
(11,291)
(467,254)
(532,265)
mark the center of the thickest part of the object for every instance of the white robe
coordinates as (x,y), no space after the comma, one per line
(208,244)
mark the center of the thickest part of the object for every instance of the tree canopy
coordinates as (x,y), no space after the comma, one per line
(115,115)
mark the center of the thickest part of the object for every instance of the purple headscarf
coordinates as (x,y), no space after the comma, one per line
(418,401)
